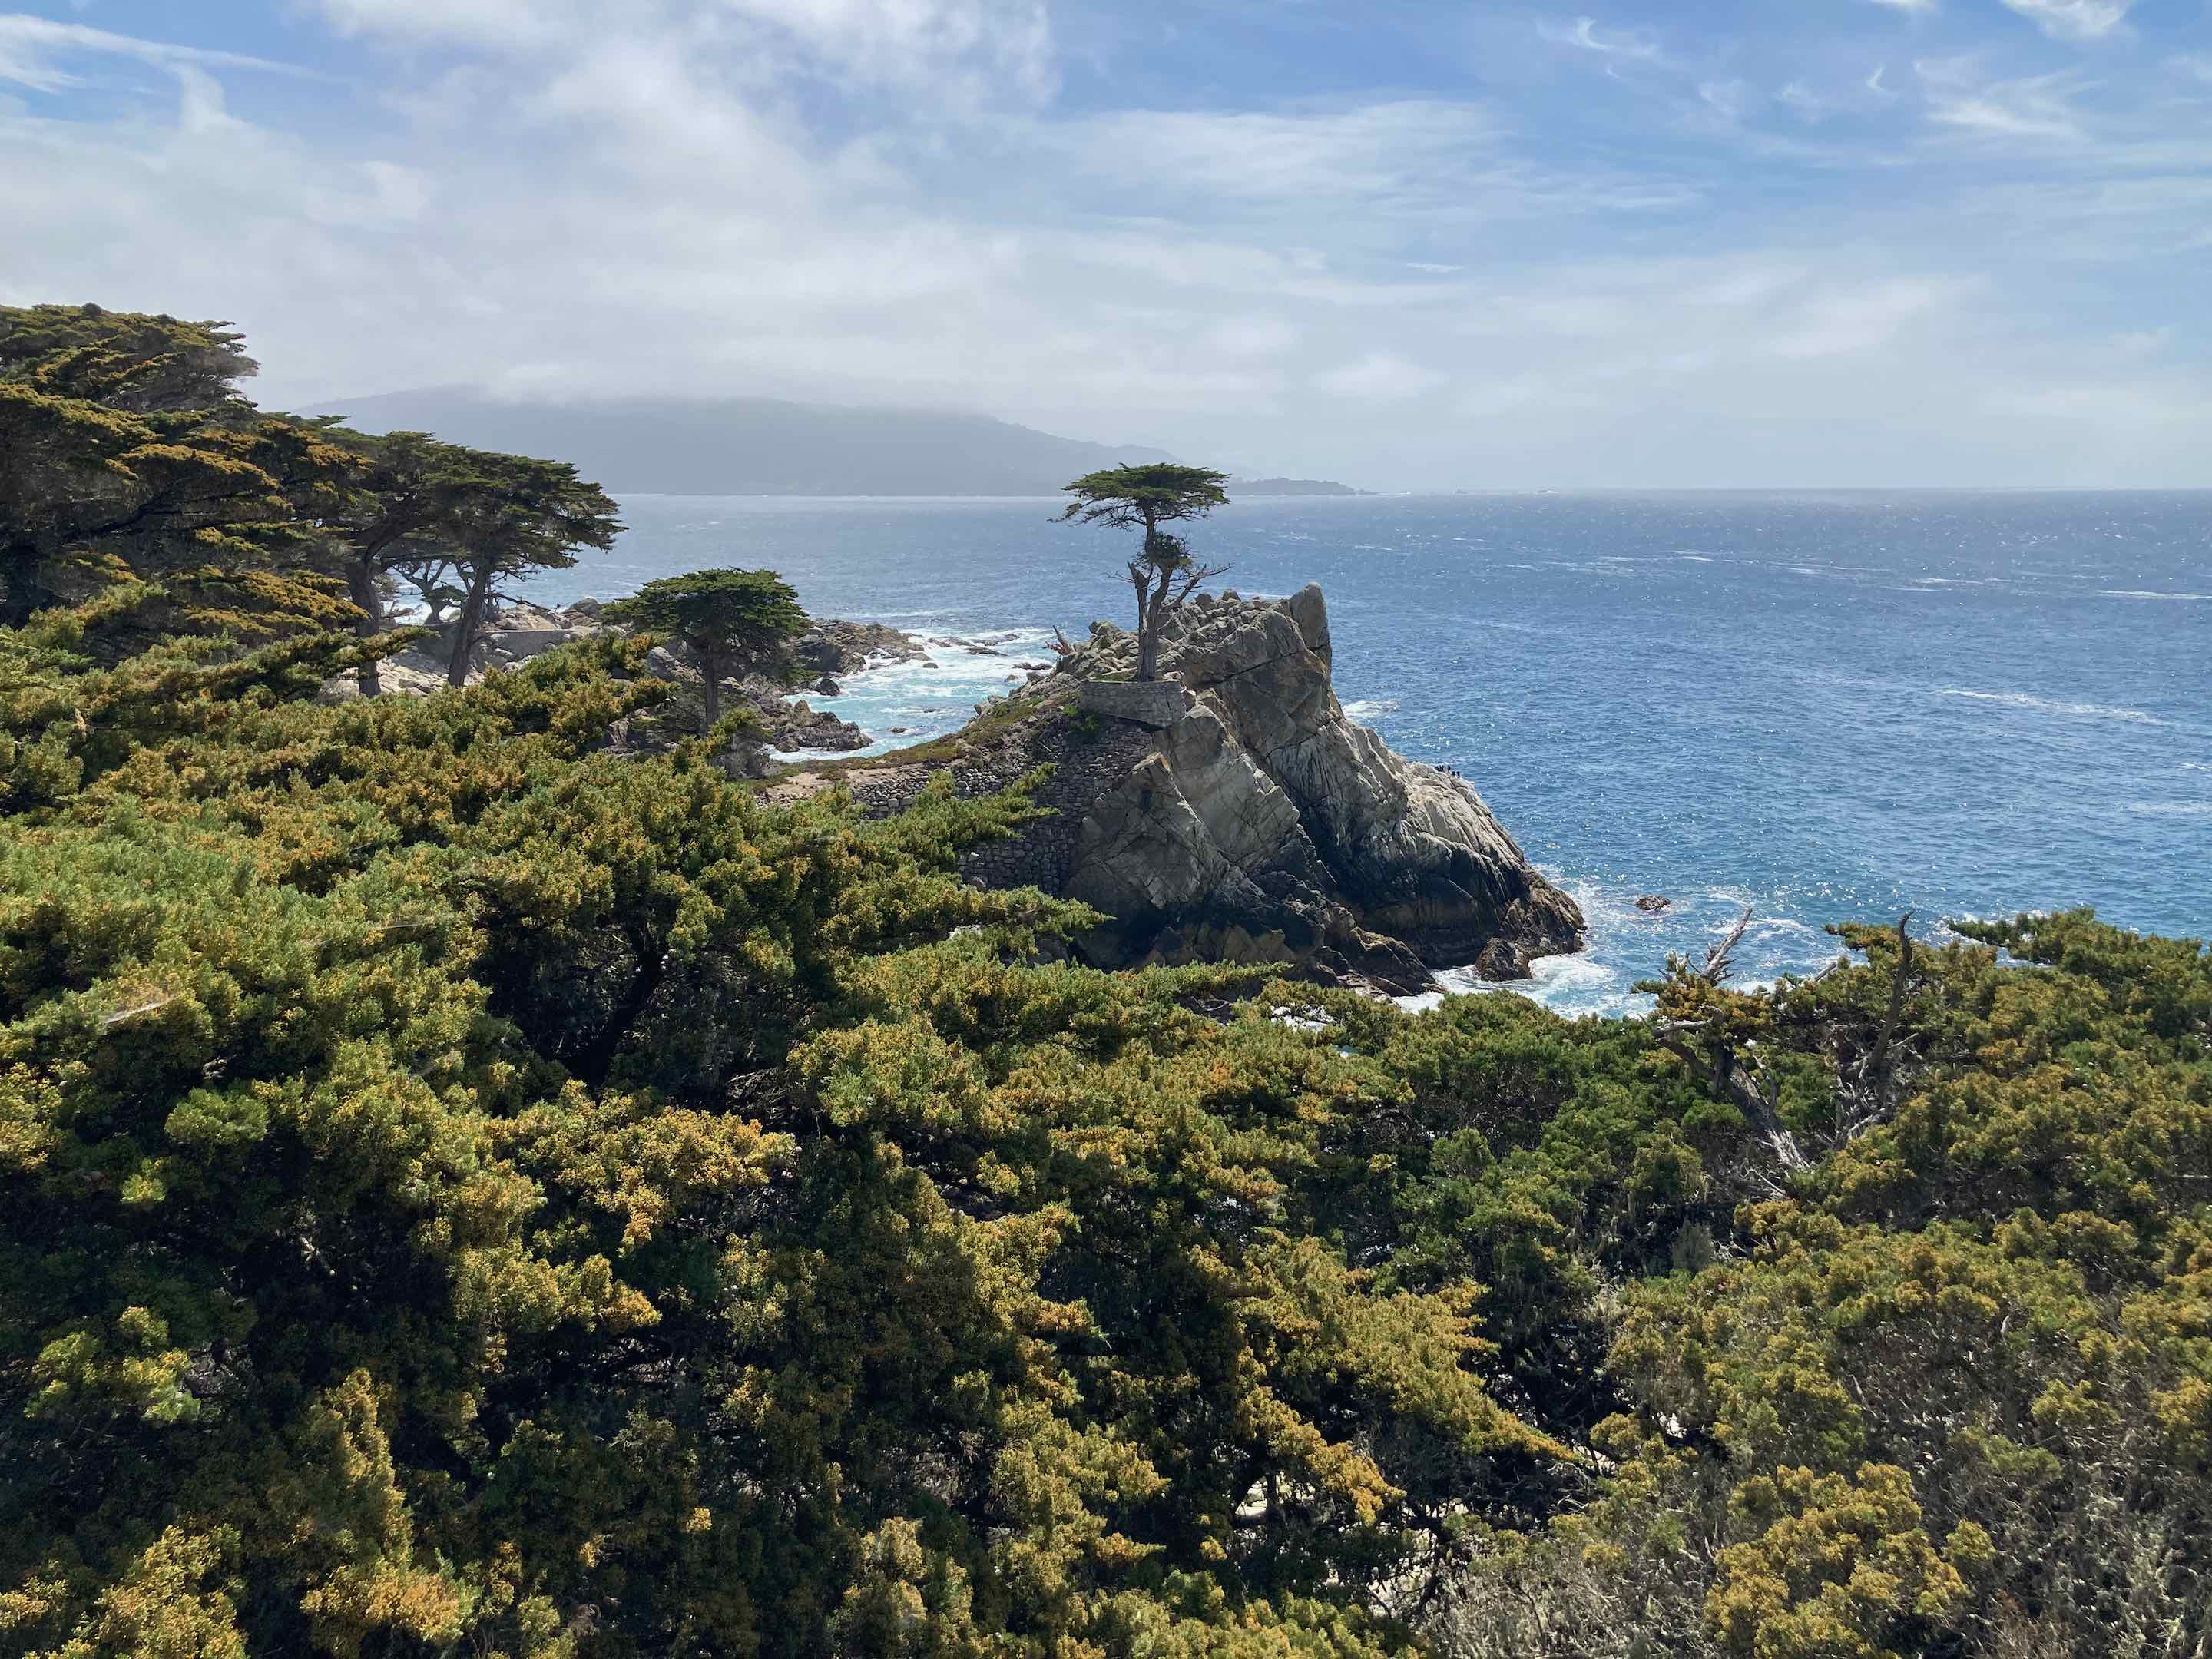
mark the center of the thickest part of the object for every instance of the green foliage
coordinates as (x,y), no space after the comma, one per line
(462,1187)
(1145,497)
(481,517)
(465,1191)
(732,621)
(125,450)
(1945,1388)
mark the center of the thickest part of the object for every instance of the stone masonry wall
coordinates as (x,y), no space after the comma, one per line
(1088,757)
(1043,855)
(1156,703)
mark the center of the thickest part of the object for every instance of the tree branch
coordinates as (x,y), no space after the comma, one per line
(1885,1058)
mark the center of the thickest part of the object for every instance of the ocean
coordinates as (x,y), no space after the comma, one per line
(1825,707)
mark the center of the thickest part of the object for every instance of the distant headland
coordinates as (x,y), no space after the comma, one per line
(1291,487)
(768,446)
(751,445)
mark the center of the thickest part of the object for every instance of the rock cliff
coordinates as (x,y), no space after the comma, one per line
(1263,811)
(1257,823)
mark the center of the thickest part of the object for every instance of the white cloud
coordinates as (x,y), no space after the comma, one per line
(960,51)
(888,42)
(1376,164)
(2074,20)
(32,48)
(1808,105)
(2115,411)
(1850,323)
(1727,99)
(2040,107)
(2143,342)
(1588,34)
(1380,377)
(1407,291)
(1377,152)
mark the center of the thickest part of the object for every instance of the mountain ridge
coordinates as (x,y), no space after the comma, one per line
(751,445)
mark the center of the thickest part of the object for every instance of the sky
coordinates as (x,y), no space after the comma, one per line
(1410,244)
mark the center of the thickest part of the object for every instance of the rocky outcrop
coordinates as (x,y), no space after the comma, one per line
(833,647)
(1264,815)
(1257,823)
(519,630)
(795,725)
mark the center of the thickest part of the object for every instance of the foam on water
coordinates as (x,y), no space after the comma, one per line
(899,704)
(1627,944)
(1964,704)
(2049,706)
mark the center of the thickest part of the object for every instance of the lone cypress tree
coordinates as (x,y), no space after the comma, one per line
(731,620)
(1164,573)
(509,514)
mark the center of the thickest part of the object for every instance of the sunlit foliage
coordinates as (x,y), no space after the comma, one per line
(467,1189)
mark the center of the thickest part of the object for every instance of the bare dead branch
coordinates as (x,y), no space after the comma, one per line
(1717,969)
(1885,1053)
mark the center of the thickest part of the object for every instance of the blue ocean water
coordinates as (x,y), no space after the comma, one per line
(1826,707)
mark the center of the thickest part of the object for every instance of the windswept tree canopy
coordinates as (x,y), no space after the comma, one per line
(466,1188)
(732,621)
(480,515)
(125,450)
(1145,497)
(131,361)
(128,451)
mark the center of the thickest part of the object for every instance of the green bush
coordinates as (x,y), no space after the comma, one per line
(462,1191)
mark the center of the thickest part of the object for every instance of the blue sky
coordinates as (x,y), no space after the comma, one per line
(1412,243)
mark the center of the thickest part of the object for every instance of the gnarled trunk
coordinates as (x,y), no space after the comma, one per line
(1148,635)
(1152,585)
(470,624)
(361,587)
(710,670)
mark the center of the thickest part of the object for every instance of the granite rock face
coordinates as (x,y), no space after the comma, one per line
(1265,824)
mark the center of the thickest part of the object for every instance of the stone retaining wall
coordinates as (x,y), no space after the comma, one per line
(1155,703)
(1088,758)
(1086,765)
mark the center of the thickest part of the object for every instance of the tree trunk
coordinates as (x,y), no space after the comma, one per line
(1139,580)
(1149,595)
(471,622)
(593,1064)
(1148,637)
(361,584)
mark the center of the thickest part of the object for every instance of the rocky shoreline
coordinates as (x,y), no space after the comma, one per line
(1231,811)
(830,648)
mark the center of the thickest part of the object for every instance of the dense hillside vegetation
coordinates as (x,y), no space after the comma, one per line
(464,1193)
